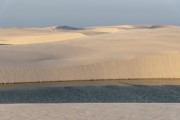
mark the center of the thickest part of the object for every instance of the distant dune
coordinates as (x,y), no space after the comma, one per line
(96,53)
(68,28)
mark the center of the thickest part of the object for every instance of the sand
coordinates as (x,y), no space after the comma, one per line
(31,36)
(95,53)
(90,111)
(106,29)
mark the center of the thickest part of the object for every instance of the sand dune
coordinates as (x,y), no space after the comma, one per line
(114,52)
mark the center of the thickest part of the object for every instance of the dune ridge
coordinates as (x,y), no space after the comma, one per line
(31,39)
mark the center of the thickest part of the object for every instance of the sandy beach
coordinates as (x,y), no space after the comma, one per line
(94,53)
(90,111)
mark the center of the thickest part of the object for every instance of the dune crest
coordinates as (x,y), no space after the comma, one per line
(40,38)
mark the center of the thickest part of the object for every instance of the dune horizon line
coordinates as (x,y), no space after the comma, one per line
(73,27)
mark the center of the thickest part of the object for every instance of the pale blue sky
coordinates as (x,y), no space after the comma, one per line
(82,13)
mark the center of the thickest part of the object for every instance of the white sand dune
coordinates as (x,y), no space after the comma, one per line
(119,52)
(90,112)
(34,35)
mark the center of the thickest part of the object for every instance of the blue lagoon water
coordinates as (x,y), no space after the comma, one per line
(89,92)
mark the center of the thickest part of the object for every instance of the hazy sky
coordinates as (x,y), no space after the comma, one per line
(81,13)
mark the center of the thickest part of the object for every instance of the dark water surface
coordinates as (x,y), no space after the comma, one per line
(92,92)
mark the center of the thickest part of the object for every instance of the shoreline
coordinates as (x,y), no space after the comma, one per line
(85,83)
(97,80)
